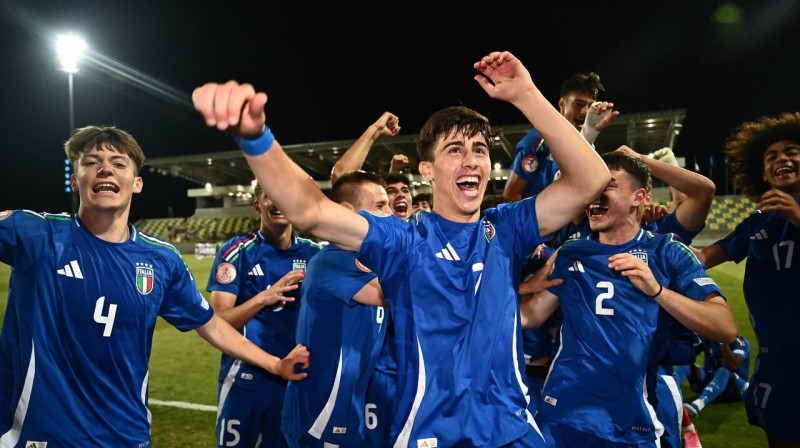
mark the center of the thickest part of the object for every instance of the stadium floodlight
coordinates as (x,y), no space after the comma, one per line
(70,48)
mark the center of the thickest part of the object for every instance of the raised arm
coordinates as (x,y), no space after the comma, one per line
(698,190)
(239,110)
(353,159)
(583,173)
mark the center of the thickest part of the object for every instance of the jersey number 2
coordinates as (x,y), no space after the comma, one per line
(599,309)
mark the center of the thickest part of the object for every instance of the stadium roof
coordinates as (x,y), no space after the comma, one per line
(644,132)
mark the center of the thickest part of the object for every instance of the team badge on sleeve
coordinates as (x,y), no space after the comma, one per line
(226,273)
(530,164)
(144,278)
(705,281)
(488,231)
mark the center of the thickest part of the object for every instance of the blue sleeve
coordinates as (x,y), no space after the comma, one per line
(670,224)
(24,236)
(225,276)
(737,244)
(531,151)
(386,247)
(687,274)
(340,274)
(521,217)
(183,306)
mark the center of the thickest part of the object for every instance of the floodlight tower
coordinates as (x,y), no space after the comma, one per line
(70,48)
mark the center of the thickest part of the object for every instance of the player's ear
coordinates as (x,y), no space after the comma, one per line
(348,205)
(73,182)
(561,103)
(425,170)
(640,197)
(257,207)
(137,185)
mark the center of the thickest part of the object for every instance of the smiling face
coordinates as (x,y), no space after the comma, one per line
(618,204)
(105,180)
(399,199)
(458,175)
(574,107)
(271,217)
(781,162)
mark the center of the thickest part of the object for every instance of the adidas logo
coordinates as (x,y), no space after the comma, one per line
(576,267)
(256,271)
(448,253)
(761,235)
(71,270)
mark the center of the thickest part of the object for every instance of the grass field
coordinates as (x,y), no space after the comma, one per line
(184,368)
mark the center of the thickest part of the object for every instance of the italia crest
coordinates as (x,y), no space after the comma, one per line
(640,254)
(488,231)
(144,278)
(298,265)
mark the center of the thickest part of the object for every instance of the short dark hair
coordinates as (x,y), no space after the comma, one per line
(452,120)
(422,197)
(750,141)
(582,82)
(631,165)
(347,187)
(107,138)
(393,177)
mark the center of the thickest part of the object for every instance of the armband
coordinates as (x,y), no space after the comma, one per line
(259,145)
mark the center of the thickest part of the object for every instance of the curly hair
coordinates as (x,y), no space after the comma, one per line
(747,145)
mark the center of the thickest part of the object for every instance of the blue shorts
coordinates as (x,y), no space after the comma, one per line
(558,435)
(669,409)
(773,395)
(379,410)
(248,410)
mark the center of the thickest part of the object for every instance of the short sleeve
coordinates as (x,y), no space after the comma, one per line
(183,305)
(687,274)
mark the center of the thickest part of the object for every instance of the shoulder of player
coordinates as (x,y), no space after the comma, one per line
(154,243)
(309,243)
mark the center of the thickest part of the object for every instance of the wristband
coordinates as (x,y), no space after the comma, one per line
(660,289)
(259,145)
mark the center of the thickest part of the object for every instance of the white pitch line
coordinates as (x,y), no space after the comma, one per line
(183,405)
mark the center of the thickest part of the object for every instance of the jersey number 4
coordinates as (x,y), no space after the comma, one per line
(105,319)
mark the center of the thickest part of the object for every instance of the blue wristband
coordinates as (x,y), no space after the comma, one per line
(259,145)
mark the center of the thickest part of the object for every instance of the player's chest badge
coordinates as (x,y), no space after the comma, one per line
(640,254)
(298,265)
(144,278)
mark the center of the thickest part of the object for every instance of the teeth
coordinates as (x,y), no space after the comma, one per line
(784,169)
(468,179)
(105,187)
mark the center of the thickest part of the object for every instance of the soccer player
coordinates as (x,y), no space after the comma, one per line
(85,294)
(533,167)
(345,335)
(398,188)
(726,368)
(453,276)
(614,283)
(422,201)
(253,285)
(765,161)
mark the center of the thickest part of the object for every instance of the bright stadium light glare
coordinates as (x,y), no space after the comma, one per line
(70,48)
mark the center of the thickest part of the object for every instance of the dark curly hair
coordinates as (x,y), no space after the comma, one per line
(749,142)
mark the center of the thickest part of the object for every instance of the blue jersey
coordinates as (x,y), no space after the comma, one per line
(452,291)
(245,266)
(78,330)
(534,163)
(713,355)
(346,338)
(596,382)
(771,245)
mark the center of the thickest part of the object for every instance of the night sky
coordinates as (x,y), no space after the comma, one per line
(331,69)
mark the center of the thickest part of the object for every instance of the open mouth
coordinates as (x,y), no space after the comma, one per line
(598,209)
(468,184)
(274,212)
(785,171)
(105,187)
(400,207)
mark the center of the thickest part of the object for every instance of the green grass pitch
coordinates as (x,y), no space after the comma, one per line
(184,368)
